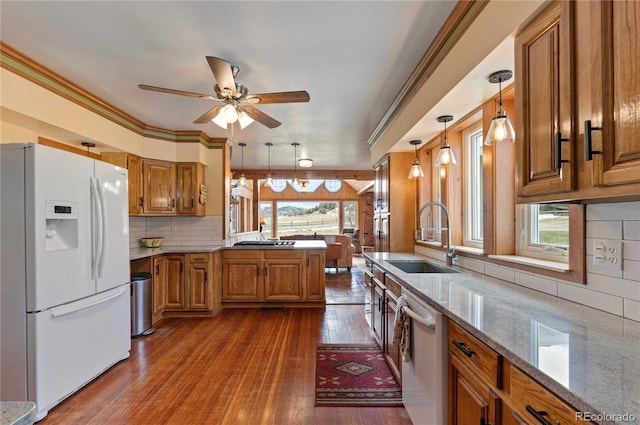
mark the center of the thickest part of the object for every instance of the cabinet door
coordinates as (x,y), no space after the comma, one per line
(159,187)
(160,273)
(242,280)
(175,283)
(189,176)
(615,56)
(545,103)
(377,314)
(315,275)
(470,401)
(392,352)
(381,186)
(381,228)
(284,280)
(134,165)
(198,294)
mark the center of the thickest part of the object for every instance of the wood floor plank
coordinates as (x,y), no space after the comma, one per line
(239,367)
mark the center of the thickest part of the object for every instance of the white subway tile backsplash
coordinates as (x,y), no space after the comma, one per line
(619,210)
(631,250)
(538,283)
(599,300)
(631,270)
(609,229)
(500,272)
(474,265)
(631,230)
(632,310)
(614,286)
(177,231)
(601,269)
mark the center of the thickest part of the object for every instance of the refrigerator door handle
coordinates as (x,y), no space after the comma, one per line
(94,227)
(65,310)
(103,227)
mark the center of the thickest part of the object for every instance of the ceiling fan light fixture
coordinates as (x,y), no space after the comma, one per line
(229,113)
(219,121)
(445,154)
(244,119)
(416,170)
(305,162)
(500,128)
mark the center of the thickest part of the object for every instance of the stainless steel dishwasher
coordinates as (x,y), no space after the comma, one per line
(424,377)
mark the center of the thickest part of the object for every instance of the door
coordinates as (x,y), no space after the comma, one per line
(160,273)
(159,187)
(284,280)
(241,281)
(175,283)
(198,286)
(315,275)
(134,166)
(59,245)
(113,264)
(470,401)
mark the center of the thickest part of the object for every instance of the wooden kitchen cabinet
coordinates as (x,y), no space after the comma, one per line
(284,278)
(545,109)
(159,187)
(189,177)
(242,276)
(391,352)
(160,279)
(470,400)
(577,62)
(133,164)
(175,296)
(394,203)
(378,323)
(315,275)
(198,287)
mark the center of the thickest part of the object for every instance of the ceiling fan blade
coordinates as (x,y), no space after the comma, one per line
(261,117)
(209,115)
(178,92)
(223,73)
(280,97)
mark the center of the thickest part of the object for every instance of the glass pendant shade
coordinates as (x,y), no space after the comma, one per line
(445,156)
(242,180)
(244,119)
(500,130)
(229,113)
(416,170)
(268,181)
(219,121)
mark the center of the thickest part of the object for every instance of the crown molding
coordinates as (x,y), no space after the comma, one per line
(24,66)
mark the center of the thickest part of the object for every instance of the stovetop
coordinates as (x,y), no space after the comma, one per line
(265,243)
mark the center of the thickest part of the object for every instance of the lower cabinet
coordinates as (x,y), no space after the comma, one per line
(470,401)
(251,276)
(198,290)
(160,275)
(175,297)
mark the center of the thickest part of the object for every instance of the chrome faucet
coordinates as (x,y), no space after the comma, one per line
(451,251)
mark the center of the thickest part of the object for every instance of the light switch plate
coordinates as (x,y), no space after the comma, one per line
(607,253)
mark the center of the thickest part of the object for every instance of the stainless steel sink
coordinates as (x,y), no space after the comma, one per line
(419,266)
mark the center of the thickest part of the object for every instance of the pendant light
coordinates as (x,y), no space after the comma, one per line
(445,154)
(269,181)
(501,128)
(295,162)
(416,169)
(242,180)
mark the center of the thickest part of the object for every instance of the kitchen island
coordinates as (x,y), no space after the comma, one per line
(587,358)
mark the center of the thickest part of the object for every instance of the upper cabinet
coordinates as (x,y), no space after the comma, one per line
(545,111)
(162,187)
(615,95)
(577,103)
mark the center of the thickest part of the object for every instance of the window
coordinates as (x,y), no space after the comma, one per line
(472,231)
(307,218)
(278,185)
(264,211)
(543,231)
(333,185)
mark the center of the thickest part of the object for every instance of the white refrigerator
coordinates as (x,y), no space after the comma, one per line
(64,270)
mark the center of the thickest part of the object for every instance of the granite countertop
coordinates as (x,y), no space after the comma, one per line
(142,252)
(588,357)
(17,412)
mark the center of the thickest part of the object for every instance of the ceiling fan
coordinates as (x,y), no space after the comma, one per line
(237,102)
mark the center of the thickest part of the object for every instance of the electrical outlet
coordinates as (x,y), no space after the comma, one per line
(607,253)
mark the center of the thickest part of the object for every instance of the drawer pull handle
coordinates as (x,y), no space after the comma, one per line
(588,151)
(539,415)
(558,148)
(467,352)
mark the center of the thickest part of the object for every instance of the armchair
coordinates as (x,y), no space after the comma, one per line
(355,237)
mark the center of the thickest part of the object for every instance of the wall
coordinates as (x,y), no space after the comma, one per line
(614,291)
(177,231)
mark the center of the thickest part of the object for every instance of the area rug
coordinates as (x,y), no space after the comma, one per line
(354,375)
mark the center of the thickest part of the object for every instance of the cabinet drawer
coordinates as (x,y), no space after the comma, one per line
(199,257)
(250,254)
(474,353)
(283,254)
(392,285)
(368,278)
(536,404)
(378,273)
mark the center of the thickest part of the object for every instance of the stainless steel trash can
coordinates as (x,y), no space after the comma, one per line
(141,304)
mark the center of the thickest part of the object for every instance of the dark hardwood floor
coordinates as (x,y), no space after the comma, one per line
(239,367)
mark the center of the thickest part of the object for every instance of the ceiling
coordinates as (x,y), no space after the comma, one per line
(353,57)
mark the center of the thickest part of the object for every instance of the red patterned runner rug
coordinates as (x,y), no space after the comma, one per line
(354,375)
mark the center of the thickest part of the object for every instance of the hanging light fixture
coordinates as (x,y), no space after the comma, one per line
(416,169)
(501,128)
(295,162)
(269,180)
(305,162)
(231,113)
(445,155)
(242,180)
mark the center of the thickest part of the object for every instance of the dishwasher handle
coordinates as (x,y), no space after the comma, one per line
(428,322)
